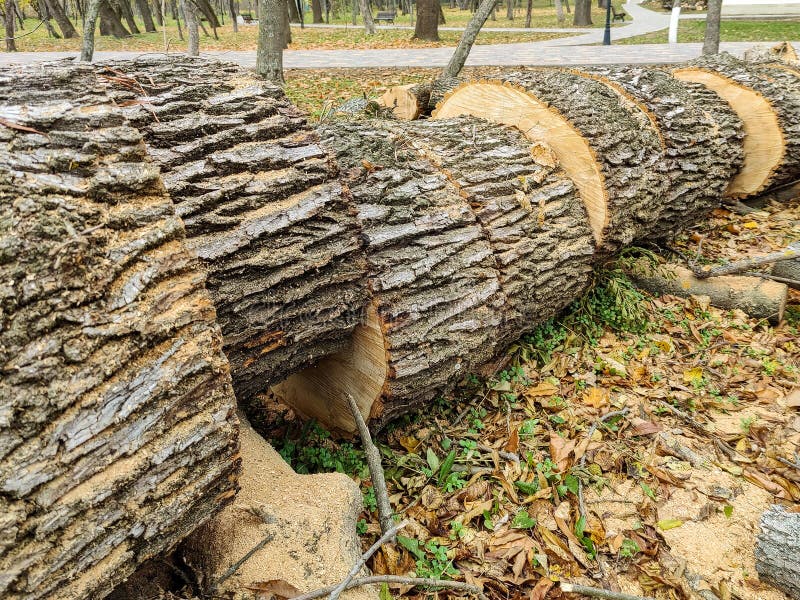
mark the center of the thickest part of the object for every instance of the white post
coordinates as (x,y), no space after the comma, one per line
(673,22)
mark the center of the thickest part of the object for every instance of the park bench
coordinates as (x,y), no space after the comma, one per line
(386,15)
(618,15)
(247,19)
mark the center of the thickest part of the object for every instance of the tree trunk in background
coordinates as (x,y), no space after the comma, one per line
(583,13)
(177,16)
(355,12)
(11,43)
(271,39)
(64,24)
(316,11)
(509,10)
(366,14)
(287,26)
(192,30)
(442,20)
(559,11)
(89,25)
(158,13)
(110,19)
(234,16)
(471,31)
(528,13)
(294,15)
(127,14)
(713,18)
(147,17)
(427,26)
(566,6)
(44,14)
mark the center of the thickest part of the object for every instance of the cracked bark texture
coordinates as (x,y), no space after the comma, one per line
(263,209)
(700,154)
(626,146)
(778,550)
(528,208)
(781,88)
(118,432)
(432,271)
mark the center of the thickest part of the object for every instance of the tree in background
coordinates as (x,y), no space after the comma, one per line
(9,9)
(583,13)
(272,20)
(713,18)
(427,26)
(316,11)
(192,29)
(366,13)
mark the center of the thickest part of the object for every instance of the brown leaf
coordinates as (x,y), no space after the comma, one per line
(642,427)
(596,397)
(560,449)
(793,399)
(512,445)
(18,127)
(539,592)
(278,589)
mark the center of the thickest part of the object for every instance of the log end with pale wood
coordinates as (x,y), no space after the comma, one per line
(118,433)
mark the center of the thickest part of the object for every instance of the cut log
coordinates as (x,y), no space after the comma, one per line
(701,153)
(609,149)
(472,237)
(262,207)
(768,103)
(778,550)
(407,102)
(789,270)
(759,298)
(118,432)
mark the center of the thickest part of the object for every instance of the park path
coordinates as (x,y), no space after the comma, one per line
(574,50)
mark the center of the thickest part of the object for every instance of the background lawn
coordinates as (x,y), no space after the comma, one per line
(730,31)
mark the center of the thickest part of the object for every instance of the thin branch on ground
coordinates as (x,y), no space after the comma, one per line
(238,564)
(386,537)
(501,453)
(786,280)
(592,592)
(739,266)
(399,580)
(375,467)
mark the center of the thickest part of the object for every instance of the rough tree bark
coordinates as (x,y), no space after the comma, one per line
(713,18)
(583,13)
(271,37)
(89,27)
(64,24)
(701,154)
(778,550)
(427,25)
(455,239)
(768,103)
(614,167)
(262,209)
(10,25)
(121,434)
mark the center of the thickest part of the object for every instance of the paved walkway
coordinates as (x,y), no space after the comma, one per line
(575,50)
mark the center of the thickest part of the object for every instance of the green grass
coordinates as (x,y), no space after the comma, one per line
(246,39)
(730,31)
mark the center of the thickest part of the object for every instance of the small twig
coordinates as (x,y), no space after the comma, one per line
(375,468)
(501,453)
(790,252)
(786,280)
(238,564)
(398,579)
(740,208)
(389,535)
(573,588)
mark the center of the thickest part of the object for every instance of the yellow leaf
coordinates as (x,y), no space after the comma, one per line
(667,524)
(750,225)
(693,375)
(410,443)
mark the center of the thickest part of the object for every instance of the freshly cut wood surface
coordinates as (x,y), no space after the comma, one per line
(263,209)
(473,236)
(701,152)
(406,101)
(608,148)
(118,432)
(767,100)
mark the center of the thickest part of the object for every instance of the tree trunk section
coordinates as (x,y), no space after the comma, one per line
(271,38)
(427,26)
(559,12)
(700,155)
(89,26)
(465,252)
(528,13)
(44,14)
(263,210)
(192,31)
(778,550)
(127,14)
(294,14)
(583,13)
(10,25)
(124,436)
(767,101)
(316,11)
(234,18)
(608,148)
(64,24)
(366,14)
(467,40)
(147,17)
(713,17)
(111,20)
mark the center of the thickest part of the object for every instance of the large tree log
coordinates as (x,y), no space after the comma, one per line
(610,149)
(118,433)
(472,237)
(778,550)
(701,153)
(768,102)
(263,209)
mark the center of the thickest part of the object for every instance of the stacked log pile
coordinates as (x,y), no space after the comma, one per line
(118,432)
(262,208)
(383,259)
